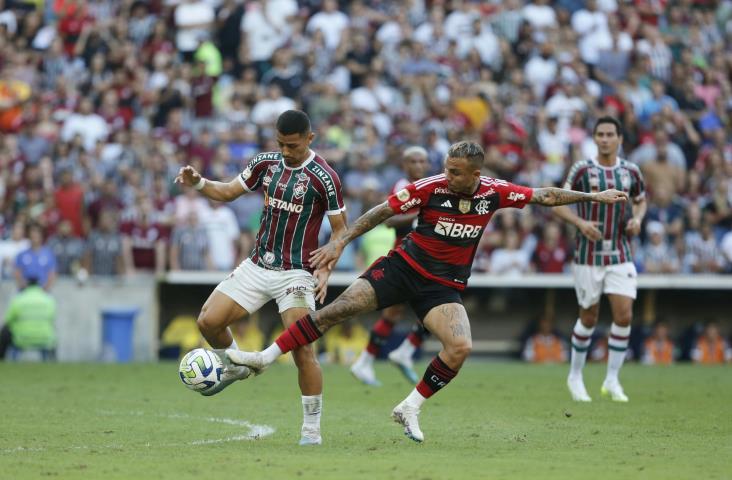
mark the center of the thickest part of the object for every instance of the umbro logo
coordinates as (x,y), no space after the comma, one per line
(447,204)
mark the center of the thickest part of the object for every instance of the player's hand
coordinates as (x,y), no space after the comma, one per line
(633,227)
(187,176)
(611,196)
(326,256)
(321,284)
(590,230)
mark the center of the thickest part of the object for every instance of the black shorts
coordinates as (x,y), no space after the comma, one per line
(395,282)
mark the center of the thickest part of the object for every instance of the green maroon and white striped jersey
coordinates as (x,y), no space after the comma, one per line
(590,176)
(295,201)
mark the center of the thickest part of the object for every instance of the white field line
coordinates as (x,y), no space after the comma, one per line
(255,432)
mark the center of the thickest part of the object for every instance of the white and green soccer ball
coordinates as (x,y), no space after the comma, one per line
(200,369)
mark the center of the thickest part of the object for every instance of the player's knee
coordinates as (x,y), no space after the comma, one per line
(460,350)
(624,318)
(206,321)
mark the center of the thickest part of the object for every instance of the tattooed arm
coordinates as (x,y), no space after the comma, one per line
(327,255)
(552,196)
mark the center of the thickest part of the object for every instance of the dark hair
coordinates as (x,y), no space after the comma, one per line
(608,119)
(469,150)
(293,121)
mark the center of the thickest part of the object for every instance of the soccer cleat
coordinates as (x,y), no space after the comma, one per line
(364,372)
(310,436)
(253,360)
(405,365)
(230,374)
(406,415)
(614,390)
(577,389)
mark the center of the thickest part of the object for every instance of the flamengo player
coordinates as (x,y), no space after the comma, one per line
(603,261)
(299,189)
(415,164)
(428,270)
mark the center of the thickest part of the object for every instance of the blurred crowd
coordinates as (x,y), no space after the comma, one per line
(102,101)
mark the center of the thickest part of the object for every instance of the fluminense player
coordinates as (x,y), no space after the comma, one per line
(415,164)
(299,190)
(428,270)
(603,259)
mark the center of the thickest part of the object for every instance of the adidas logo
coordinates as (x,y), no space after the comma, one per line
(447,204)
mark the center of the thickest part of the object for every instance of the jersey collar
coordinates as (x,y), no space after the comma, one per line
(307,160)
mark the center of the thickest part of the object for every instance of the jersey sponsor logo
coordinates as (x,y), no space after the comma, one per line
(446,203)
(514,196)
(488,181)
(483,207)
(282,205)
(441,190)
(410,204)
(325,178)
(488,192)
(402,195)
(268,156)
(246,173)
(464,206)
(457,230)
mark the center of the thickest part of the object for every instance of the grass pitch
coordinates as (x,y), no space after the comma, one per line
(496,420)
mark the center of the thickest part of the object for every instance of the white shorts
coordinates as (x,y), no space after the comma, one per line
(591,281)
(251,286)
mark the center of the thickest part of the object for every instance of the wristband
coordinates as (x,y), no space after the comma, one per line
(201,183)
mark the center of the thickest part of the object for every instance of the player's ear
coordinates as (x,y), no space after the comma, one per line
(311,137)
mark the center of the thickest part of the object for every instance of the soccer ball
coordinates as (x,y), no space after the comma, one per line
(200,369)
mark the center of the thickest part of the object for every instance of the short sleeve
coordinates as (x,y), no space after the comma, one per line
(638,187)
(251,177)
(334,195)
(574,175)
(408,198)
(512,195)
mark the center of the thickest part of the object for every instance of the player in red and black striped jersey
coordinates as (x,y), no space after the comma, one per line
(415,164)
(428,270)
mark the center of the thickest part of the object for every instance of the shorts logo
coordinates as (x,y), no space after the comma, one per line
(514,196)
(464,206)
(377,274)
(483,207)
(457,230)
(297,291)
(403,195)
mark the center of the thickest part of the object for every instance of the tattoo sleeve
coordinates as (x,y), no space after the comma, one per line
(360,297)
(367,221)
(552,196)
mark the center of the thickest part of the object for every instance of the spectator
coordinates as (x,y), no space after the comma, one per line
(30,323)
(223,235)
(551,253)
(705,254)
(711,348)
(189,247)
(103,255)
(69,198)
(658,349)
(657,255)
(67,248)
(144,242)
(509,259)
(10,248)
(545,346)
(37,262)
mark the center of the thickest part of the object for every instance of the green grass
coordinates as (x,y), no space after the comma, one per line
(496,420)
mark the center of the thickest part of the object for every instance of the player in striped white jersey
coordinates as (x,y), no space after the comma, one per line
(603,261)
(300,189)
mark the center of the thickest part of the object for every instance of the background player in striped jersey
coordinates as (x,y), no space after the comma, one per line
(603,259)
(415,164)
(429,269)
(299,189)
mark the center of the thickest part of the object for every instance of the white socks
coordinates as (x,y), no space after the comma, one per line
(415,398)
(365,358)
(312,406)
(271,353)
(406,348)
(233,345)
(617,346)
(581,337)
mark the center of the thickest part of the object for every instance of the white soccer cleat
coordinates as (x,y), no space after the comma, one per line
(614,390)
(407,415)
(405,364)
(364,372)
(577,389)
(253,360)
(310,436)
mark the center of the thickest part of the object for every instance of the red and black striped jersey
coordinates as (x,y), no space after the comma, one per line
(449,225)
(295,201)
(402,232)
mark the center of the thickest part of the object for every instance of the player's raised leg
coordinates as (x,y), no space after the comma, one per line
(622,310)
(358,298)
(310,379)
(363,367)
(449,323)
(401,356)
(216,315)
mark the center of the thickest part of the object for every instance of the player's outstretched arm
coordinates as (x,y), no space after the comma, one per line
(552,196)
(327,255)
(220,191)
